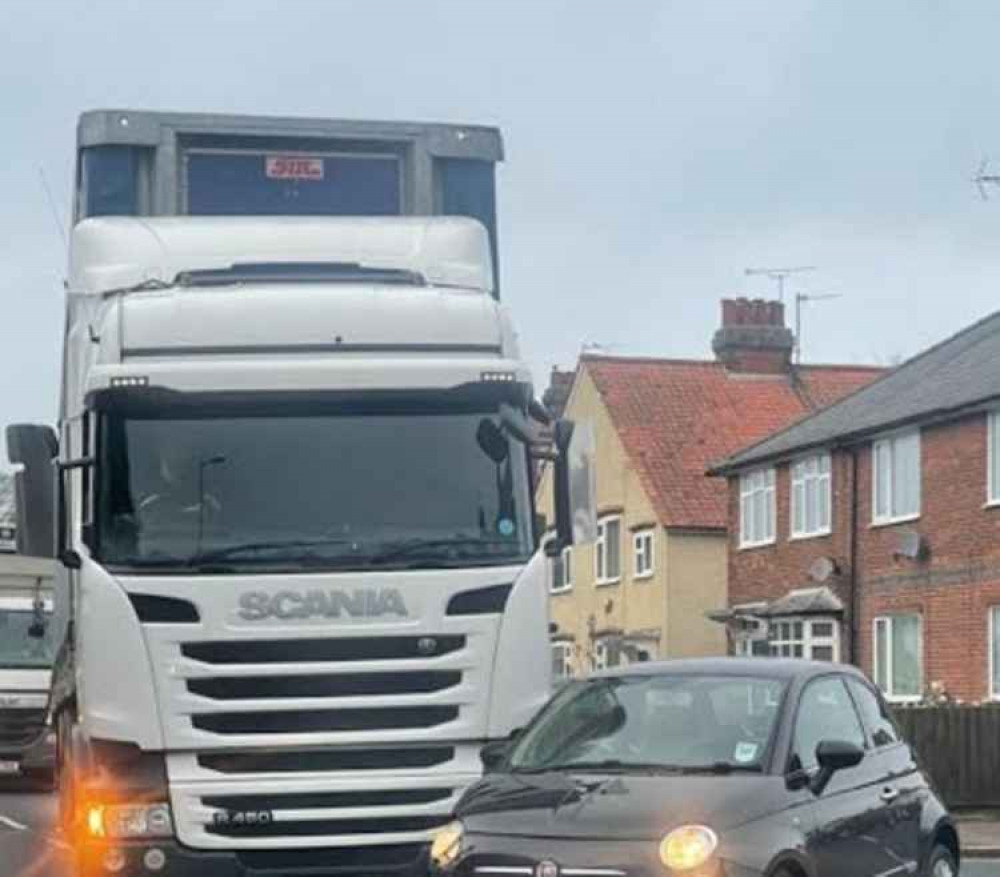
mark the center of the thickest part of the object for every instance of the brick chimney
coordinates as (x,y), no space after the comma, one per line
(753,338)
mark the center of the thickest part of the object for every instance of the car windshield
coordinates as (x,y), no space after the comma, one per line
(339,488)
(680,722)
(18,648)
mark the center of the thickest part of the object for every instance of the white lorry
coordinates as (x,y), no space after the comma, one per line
(301,580)
(27,743)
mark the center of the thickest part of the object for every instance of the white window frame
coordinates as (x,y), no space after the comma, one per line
(892,441)
(752,484)
(647,536)
(565,647)
(806,477)
(601,551)
(993,458)
(994,632)
(809,640)
(567,584)
(891,696)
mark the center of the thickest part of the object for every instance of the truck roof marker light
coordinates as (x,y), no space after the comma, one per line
(498,377)
(130,381)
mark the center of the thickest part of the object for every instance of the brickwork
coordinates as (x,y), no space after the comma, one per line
(952,585)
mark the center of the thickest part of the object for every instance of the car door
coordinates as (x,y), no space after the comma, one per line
(903,790)
(846,821)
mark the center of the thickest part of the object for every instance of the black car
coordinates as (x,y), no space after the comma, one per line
(704,768)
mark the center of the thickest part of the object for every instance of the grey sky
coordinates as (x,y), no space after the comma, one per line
(655,149)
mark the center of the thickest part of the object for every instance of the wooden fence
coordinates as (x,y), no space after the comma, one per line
(959,747)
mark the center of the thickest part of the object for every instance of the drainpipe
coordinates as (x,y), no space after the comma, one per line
(855,597)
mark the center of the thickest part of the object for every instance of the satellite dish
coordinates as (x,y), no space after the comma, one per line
(822,569)
(910,544)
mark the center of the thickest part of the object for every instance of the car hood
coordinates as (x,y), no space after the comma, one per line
(617,806)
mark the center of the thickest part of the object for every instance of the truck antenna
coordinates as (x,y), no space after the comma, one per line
(60,228)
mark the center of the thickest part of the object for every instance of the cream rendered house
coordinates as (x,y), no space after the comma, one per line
(643,591)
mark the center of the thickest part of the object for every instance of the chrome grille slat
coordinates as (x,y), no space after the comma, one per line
(315,721)
(321,685)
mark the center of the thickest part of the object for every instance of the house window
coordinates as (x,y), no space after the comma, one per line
(817,639)
(993,459)
(562,660)
(608,551)
(896,478)
(751,648)
(897,656)
(811,497)
(562,572)
(757,508)
(642,554)
(995,653)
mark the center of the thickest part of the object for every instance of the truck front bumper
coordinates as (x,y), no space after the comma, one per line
(167,858)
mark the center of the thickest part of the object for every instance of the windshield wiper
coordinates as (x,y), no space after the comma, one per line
(270,545)
(409,547)
(609,765)
(719,767)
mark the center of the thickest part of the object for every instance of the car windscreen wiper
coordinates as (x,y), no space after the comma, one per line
(718,767)
(607,765)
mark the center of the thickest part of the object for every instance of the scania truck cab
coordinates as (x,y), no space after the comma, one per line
(300,582)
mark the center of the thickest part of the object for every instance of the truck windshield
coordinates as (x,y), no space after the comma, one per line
(338,490)
(18,648)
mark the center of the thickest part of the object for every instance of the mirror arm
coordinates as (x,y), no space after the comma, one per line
(821,780)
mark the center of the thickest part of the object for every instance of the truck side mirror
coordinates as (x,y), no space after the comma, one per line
(575,490)
(34,448)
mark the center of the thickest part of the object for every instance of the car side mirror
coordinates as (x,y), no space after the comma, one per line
(494,754)
(34,448)
(833,756)
(574,484)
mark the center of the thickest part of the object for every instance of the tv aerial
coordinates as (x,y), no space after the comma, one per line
(779,275)
(982,179)
(802,298)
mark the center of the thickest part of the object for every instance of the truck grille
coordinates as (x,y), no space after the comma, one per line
(21,727)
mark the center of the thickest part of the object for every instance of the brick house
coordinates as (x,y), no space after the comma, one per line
(870,531)
(659,565)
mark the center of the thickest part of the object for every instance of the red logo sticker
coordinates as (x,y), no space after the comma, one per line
(293,167)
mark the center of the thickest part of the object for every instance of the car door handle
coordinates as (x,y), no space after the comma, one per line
(889,794)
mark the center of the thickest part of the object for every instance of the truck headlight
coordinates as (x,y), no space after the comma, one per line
(687,847)
(126,821)
(446,847)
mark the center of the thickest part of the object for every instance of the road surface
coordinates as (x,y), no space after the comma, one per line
(30,846)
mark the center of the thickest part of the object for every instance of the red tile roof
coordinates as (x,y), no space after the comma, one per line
(676,417)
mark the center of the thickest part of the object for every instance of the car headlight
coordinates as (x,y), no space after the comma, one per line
(687,847)
(446,846)
(130,821)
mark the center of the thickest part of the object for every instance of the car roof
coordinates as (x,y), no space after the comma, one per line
(776,668)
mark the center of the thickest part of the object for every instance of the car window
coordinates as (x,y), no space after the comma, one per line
(676,721)
(826,712)
(873,713)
